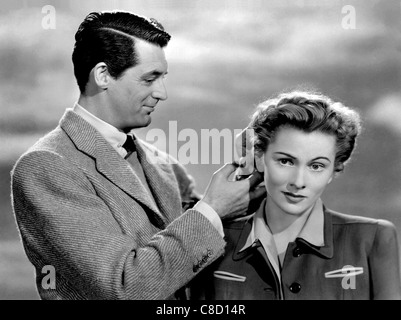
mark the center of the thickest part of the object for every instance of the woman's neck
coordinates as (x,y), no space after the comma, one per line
(278,220)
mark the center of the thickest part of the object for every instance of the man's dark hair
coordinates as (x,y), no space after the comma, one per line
(108,37)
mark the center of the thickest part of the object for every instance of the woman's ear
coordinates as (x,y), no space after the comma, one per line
(338,169)
(335,174)
(260,161)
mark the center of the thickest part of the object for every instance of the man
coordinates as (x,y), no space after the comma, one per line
(92,203)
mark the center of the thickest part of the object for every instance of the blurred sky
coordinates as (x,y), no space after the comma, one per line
(224,58)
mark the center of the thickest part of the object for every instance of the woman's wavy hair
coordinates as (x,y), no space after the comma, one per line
(308,112)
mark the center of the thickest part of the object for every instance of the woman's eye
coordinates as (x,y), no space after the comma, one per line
(285,162)
(317,167)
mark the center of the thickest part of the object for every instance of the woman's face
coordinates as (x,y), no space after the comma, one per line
(297,168)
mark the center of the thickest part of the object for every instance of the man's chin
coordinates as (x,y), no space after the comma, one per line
(144,124)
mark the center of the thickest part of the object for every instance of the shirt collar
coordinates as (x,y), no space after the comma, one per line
(112,135)
(312,231)
(260,232)
(257,224)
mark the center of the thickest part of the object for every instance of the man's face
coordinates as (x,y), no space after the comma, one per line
(134,96)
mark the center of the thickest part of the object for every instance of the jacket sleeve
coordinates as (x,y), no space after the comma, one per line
(64,223)
(385,264)
(186,184)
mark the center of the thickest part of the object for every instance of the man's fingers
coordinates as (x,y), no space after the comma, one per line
(257,193)
(255,179)
(227,169)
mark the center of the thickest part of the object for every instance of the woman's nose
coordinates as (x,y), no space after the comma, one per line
(298,181)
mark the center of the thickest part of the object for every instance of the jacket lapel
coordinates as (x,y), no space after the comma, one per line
(161,180)
(256,256)
(108,162)
(239,254)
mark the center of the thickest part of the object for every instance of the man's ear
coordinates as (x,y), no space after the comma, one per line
(101,75)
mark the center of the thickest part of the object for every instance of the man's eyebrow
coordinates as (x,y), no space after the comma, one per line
(153,73)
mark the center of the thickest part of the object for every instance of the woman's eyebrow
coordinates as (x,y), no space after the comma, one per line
(292,157)
(285,154)
(321,157)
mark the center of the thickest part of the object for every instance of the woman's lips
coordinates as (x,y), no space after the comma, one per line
(293,198)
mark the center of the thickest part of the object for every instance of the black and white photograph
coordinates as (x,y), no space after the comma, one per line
(200,151)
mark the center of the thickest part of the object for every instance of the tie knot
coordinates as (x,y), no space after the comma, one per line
(129,144)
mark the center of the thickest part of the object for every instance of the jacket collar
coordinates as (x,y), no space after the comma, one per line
(111,134)
(326,250)
(109,163)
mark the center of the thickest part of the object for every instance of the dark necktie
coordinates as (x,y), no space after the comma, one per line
(129,144)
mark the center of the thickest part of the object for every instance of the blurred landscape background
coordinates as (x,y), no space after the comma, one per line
(224,58)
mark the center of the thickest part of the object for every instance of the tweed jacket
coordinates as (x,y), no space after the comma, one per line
(81,209)
(331,272)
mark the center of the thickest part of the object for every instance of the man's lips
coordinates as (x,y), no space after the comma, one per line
(151,108)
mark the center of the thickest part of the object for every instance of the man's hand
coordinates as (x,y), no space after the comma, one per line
(232,199)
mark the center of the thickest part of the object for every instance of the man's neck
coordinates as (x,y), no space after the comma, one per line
(97,106)
(92,104)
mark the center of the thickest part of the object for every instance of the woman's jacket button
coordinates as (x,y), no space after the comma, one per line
(295,287)
(296,252)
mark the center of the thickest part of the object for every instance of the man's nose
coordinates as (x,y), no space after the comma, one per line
(297,181)
(159,90)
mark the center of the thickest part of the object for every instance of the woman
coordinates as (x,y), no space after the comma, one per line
(293,247)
